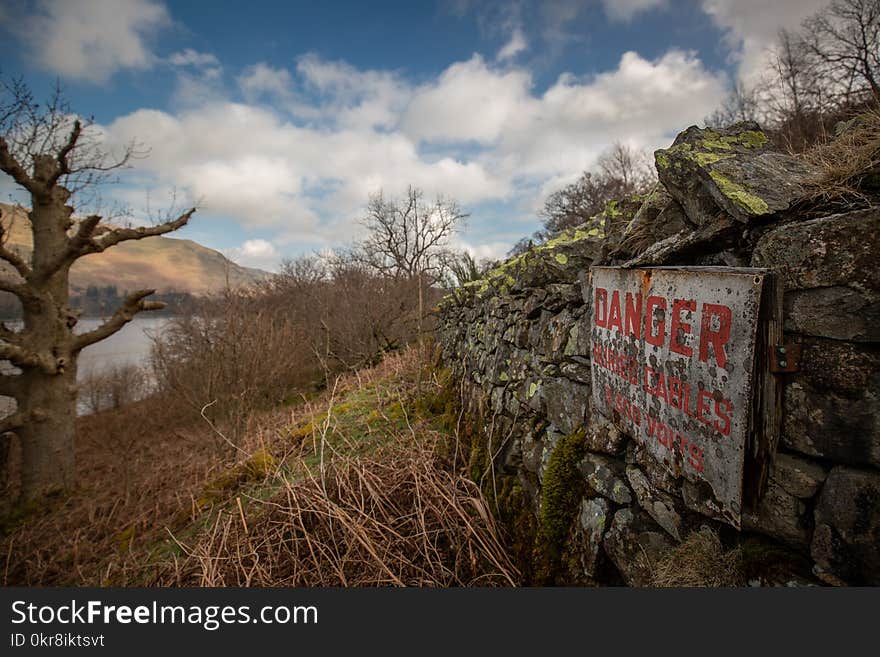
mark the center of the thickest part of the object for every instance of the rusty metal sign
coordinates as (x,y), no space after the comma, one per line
(673,366)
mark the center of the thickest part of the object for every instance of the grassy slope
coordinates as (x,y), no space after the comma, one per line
(352,488)
(164,263)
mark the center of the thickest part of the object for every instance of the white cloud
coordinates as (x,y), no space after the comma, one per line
(625,10)
(262,79)
(514,46)
(752,27)
(476,133)
(91,39)
(258,253)
(190,57)
(469,101)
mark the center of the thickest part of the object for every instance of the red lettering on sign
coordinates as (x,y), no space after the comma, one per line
(659,323)
(614,312)
(601,309)
(634,315)
(680,329)
(723,409)
(703,399)
(718,338)
(696,459)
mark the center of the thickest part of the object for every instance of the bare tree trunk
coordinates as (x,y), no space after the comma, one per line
(419,340)
(47,442)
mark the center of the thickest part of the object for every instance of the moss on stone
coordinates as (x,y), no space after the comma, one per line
(739,195)
(561,258)
(562,491)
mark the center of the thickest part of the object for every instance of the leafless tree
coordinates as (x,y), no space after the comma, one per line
(622,170)
(52,154)
(742,103)
(630,168)
(409,238)
(844,40)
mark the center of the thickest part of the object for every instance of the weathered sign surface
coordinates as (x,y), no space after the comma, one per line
(673,366)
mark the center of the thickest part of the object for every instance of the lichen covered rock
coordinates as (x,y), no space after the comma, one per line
(635,544)
(846,542)
(733,170)
(830,273)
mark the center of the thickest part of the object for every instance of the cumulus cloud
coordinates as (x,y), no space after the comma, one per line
(469,101)
(625,10)
(258,253)
(262,79)
(478,133)
(752,26)
(514,46)
(90,39)
(190,57)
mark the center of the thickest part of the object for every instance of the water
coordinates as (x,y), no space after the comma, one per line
(130,345)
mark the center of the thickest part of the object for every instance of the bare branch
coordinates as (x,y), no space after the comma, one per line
(10,385)
(131,306)
(24,358)
(63,164)
(117,235)
(10,256)
(12,422)
(11,166)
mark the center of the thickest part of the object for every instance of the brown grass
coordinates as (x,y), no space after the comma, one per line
(846,162)
(349,489)
(700,560)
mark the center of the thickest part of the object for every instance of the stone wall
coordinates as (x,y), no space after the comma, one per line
(518,343)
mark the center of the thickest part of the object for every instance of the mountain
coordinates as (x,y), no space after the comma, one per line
(165,263)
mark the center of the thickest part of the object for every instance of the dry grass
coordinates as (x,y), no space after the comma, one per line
(397,518)
(700,560)
(846,162)
(348,489)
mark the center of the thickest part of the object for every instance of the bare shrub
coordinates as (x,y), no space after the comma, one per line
(398,517)
(236,353)
(113,387)
(700,560)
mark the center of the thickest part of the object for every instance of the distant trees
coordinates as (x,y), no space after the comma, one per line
(51,154)
(620,171)
(408,238)
(817,75)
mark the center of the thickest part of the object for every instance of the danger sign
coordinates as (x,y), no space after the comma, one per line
(673,366)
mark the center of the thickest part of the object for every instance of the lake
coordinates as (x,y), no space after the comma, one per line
(131,344)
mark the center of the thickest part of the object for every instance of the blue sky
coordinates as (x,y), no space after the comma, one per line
(280,118)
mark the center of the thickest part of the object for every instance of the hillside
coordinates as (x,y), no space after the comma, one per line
(165,263)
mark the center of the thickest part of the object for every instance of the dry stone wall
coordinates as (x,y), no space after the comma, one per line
(518,343)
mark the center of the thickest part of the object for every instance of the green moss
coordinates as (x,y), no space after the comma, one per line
(561,258)
(533,388)
(661,160)
(753,139)
(739,195)
(562,491)
(705,159)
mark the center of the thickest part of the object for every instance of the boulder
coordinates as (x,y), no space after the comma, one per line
(832,405)
(735,170)
(567,403)
(660,216)
(662,507)
(779,515)
(830,271)
(797,476)
(592,521)
(606,477)
(846,541)
(635,544)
